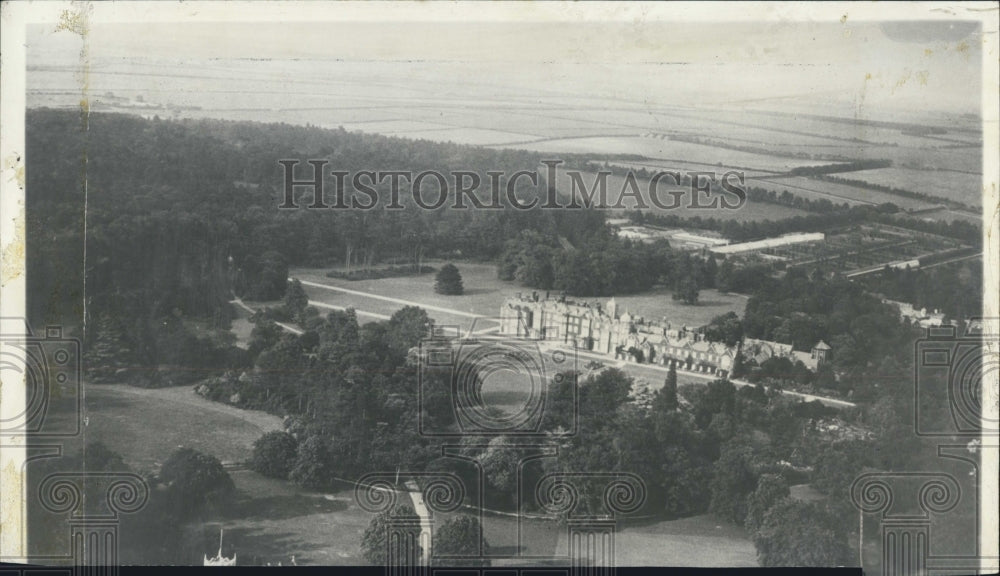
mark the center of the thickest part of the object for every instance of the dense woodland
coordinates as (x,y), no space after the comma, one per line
(954,289)
(182,216)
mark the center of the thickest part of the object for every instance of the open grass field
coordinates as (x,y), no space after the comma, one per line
(484,293)
(658,304)
(272,520)
(146,425)
(689,542)
(696,541)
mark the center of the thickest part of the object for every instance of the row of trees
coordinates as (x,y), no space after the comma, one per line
(604,265)
(900,192)
(802,309)
(954,289)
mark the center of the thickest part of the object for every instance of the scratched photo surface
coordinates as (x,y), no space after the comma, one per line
(509,291)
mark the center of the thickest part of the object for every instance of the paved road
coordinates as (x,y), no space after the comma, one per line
(394,300)
(416,496)
(342,308)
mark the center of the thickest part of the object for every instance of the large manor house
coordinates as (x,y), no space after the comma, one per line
(606,329)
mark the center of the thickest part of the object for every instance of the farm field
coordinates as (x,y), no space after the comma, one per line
(540,120)
(741,131)
(948,216)
(667,150)
(750,211)
(395,126)
(858,131)
(957,186)
(471,136)
(835,192)
(686,166)
(940,156)
(368,96)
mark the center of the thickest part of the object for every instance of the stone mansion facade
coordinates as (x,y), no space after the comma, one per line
(607,330)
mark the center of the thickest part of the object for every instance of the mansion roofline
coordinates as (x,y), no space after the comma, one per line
(606,329)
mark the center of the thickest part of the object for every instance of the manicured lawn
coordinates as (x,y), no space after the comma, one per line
(275,520)
(657,304)
(147,425)
(696,541)
(484,294)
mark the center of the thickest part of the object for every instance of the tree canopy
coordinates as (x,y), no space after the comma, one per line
(449,281)
(274,454)
(198,481)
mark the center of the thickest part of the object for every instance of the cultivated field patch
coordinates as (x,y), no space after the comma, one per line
(835,192)
(667,150)
(750,211)
(958,186)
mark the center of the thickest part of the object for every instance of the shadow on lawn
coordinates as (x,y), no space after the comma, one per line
(474,291)
(708,303)
(284,507)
